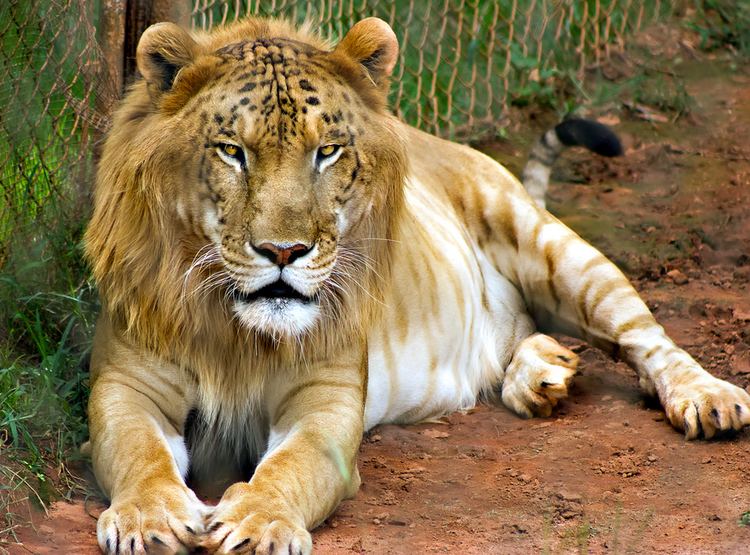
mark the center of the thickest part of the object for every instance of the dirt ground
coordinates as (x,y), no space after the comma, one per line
(606,473)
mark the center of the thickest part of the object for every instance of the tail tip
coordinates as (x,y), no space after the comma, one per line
(591,134)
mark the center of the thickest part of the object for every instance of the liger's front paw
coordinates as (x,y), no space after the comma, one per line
(245,523)
(153,520)
(538,376)
(704,406)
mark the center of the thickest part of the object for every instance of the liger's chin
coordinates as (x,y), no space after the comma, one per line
(278,317)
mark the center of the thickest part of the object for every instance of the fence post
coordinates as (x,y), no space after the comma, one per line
(121,23)
(143,13)
(112,42)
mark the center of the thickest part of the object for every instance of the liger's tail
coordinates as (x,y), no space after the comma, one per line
(593,135)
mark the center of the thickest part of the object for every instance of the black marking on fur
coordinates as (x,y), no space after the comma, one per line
(218,119)
(312,100)
(306,86)
(242,544)
(593,135)
(247,87)
(215,526)
(244,101)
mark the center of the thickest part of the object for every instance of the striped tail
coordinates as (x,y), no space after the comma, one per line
(593,135)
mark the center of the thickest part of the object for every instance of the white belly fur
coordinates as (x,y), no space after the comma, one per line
(444,358)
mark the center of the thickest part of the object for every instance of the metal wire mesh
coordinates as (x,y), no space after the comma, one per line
(463,62)
(49,74)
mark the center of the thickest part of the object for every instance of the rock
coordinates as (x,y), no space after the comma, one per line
(677,277)
(435,434)
(569,496)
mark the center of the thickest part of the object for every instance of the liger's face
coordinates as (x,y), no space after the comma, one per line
(284,175)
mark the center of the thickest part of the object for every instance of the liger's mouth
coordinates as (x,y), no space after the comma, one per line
(276,290)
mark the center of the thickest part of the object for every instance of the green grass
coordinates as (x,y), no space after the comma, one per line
(47,309)
(47,302)
(722,23)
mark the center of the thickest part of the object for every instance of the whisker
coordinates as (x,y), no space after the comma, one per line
(360,239)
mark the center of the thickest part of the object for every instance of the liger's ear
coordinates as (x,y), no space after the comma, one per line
(372,43)
(163,50)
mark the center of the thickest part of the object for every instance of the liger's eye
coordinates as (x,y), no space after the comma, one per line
(326,151)
(232,150)
(232,154)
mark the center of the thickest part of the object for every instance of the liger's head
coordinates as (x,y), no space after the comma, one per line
(263,160)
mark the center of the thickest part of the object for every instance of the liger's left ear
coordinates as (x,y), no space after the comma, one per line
(373,44)
(164,49)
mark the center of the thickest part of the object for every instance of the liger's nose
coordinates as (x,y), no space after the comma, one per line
(282,254)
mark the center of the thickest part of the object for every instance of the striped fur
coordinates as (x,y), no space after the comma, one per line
(429,273)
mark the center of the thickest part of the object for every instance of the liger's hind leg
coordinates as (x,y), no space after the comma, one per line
(538,376)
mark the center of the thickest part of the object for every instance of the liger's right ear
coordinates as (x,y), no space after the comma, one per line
(164,49)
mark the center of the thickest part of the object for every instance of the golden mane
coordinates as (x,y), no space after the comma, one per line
(141,256)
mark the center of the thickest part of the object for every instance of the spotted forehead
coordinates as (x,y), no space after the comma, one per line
(289,67)
(280,81)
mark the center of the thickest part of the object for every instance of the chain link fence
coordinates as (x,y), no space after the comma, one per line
(50,77)
(462,63)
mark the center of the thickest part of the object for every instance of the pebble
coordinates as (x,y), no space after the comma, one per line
(677,277)
(435,434)
(568,496)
